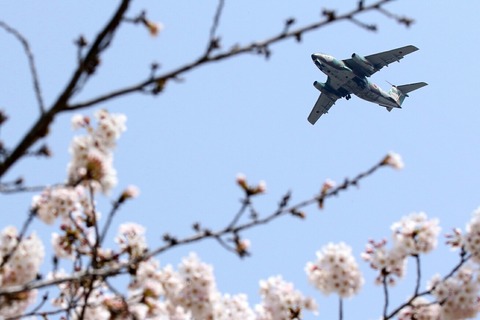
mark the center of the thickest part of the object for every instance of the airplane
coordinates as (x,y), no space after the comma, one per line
(351,76)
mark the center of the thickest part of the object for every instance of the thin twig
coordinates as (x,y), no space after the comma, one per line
(103,234)
(41,314)
(213,41)
(31,62)
(245,204)
(419,274)
(6,190)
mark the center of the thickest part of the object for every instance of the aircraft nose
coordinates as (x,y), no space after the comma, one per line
(315,56)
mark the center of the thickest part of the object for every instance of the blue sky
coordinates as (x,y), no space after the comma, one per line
(184,147)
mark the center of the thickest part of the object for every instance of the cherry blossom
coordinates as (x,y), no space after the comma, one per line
(23,264)
(420,309)
(472,236)
(57,202)
(390,263)
(233,307)
(281,301)
(459,294)
(92,157)
(415,233)
(335,271)
(131,239)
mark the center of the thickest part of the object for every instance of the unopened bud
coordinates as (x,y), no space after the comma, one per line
(242,247)
(394,160)
(153,28)
(129,193)
(327,185)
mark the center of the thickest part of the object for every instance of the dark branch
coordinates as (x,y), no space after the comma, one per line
(213,42)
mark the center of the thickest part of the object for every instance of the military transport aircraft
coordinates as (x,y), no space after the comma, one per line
(350,76)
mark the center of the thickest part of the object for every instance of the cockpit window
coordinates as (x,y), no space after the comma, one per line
(328,58)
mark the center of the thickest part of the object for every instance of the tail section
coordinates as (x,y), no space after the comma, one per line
(399,93)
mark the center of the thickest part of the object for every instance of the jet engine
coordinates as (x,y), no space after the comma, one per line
(322,87)
(363,63)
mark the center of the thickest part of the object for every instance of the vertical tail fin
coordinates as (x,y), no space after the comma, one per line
(399,93)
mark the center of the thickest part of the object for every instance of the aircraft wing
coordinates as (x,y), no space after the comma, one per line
(323,104)
(382,59)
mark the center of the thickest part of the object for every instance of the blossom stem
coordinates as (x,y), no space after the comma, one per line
(340,308)
(114,210)
(419,274)
(245,203)
(385,291)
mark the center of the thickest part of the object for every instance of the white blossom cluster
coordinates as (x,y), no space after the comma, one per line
(335,271)
(471,240)
(458,294)
(131,239)
(421,309)
(230,307)
(90,167)
(416,234)
(92,157)
(20,264)
(281,301)
(74,209)
(390,263)
(190,292)
(412,235)
(59,202)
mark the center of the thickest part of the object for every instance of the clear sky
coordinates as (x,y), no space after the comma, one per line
(184,148)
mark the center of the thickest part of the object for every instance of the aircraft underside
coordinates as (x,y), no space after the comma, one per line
(350,76)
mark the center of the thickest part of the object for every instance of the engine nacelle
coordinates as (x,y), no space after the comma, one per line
(323,88)
(363,63)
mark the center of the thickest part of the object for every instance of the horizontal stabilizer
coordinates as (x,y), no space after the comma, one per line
(410,87)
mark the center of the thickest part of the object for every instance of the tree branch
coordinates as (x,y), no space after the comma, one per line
(213,42)
(230,229)
(254,47)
